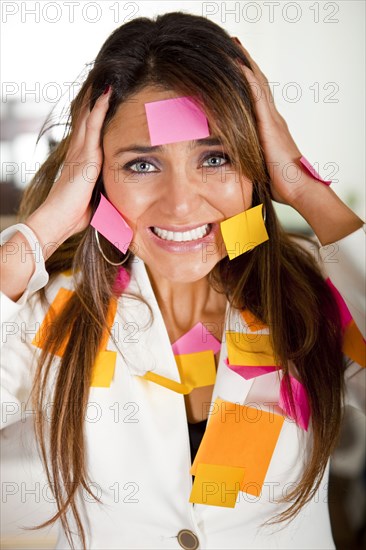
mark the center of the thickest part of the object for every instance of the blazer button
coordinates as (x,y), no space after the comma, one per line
(188,540)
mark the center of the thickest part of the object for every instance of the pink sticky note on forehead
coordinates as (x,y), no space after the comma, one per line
(176,119)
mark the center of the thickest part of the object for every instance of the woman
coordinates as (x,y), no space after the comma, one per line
(118,394)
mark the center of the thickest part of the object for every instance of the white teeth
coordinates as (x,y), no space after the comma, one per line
(180,236)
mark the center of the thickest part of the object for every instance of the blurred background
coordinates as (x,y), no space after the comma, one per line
(313,54)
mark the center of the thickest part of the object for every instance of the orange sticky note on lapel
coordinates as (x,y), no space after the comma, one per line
(354,345)
(62,296)
(241,437)
(216,485)
(253,323)
(103,368)
(244,231)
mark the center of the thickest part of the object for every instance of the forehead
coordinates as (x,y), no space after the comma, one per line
(130,118)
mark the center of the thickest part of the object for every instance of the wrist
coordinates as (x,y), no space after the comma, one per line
(49,235)
(329,217)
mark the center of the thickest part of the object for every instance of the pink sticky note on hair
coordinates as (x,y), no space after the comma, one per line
(195,340)
(176,119)
(301,414)
(109,222)
(249,372)
(346,316)
(312,171)
(122,280)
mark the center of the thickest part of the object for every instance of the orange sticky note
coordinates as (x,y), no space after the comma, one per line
(167,382)
(354,345)
(249,350)
(103,369)
(244,231)
(216,485)
(241,437)
(251,320)
(111,313)
(62,296)
(197,369)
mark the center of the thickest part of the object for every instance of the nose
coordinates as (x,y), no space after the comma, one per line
(181,196)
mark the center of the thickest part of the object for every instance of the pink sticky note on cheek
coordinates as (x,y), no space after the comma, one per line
(176,119)
(312,171)
(110,223)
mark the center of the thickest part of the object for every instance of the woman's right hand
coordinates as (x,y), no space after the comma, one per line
(67,208)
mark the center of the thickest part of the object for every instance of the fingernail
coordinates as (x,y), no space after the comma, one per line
(106,89)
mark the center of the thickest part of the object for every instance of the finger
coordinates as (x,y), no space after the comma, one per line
(95,121)
(263,107)
(261,77)
(78,134)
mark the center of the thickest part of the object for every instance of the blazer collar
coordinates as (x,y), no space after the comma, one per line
(152,349)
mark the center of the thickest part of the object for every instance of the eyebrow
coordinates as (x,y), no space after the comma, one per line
(136,148)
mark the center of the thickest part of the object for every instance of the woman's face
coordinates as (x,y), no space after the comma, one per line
(170,189)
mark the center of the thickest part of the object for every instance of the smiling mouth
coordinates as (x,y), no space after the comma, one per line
(182,236)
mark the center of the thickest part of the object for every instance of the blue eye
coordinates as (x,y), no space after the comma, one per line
(129,165)
(221,156)
(144,161)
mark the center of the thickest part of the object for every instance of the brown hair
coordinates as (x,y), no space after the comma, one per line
(193,56)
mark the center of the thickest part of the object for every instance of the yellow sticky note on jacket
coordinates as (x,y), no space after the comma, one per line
(251,350)
(217,485)
(197,369)
(244,231)
(103,369)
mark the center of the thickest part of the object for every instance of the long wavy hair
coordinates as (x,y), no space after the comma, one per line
(278,281)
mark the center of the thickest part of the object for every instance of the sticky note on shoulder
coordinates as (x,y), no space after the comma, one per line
(175,119)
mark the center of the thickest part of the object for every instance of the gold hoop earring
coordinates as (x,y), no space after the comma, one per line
(264,212)
(102,253)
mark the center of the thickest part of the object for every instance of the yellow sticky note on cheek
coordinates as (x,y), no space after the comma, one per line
(216,485)
(103,369)
(244,231)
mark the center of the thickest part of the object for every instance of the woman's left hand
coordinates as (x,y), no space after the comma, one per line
(281,153)
(329,217)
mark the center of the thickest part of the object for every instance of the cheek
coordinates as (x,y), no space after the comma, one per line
(234,195)
(125,196)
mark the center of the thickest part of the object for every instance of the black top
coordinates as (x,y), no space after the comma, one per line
(196,431)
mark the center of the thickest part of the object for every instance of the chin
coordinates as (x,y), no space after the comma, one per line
(182,272)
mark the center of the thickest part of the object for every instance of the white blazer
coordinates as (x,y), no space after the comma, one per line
(138,452)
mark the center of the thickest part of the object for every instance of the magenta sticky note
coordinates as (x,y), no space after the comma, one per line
(346,316)
(196,339)
(176,119)
(312,171)
(249,372)
(301,414)
(122,280)
(110,223)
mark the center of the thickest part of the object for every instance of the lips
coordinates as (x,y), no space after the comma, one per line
(177,236)
(184,247)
